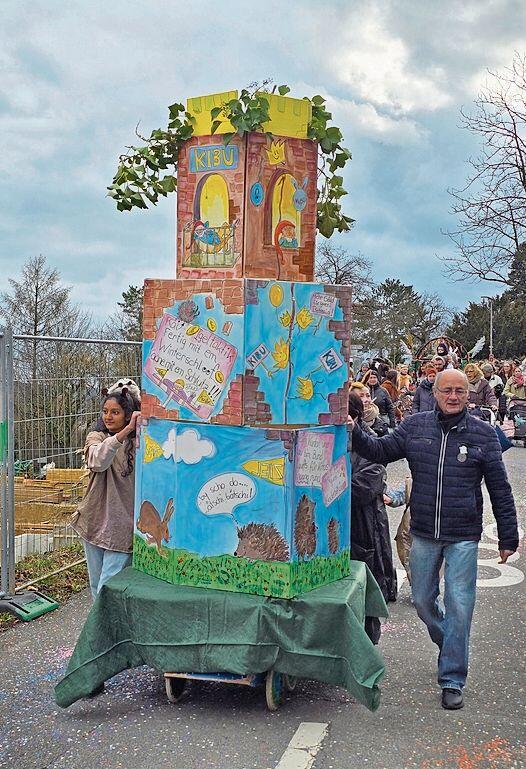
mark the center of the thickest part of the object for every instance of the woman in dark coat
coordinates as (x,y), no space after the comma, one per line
(424,399)
(370,537)
(380,397)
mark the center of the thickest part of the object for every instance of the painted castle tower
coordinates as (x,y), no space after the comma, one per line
(243,473)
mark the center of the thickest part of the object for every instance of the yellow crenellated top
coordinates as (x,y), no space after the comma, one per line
(288,117)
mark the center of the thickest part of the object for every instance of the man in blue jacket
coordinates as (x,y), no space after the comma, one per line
(449,453)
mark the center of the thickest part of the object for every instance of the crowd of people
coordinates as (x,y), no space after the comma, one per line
(392,393)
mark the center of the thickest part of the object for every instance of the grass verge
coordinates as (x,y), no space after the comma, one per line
(61,586)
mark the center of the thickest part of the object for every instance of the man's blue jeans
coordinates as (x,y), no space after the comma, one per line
(448,628)
(103,564)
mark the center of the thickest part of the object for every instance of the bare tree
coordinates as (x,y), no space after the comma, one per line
(336,265)
(39,305)
(430,317)
(491,208)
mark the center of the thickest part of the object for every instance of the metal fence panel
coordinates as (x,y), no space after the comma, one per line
(55,399)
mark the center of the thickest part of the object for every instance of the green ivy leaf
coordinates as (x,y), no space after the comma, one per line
(169,184)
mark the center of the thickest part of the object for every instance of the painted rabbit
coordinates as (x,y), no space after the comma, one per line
(151,525)
(299,199)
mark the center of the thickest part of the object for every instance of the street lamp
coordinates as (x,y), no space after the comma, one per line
(490,304)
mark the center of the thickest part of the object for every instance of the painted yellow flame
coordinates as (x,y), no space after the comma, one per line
(272,470)
(305,388)
(276,153)
(304,318)
(204,397)
(281,354)
(152,449)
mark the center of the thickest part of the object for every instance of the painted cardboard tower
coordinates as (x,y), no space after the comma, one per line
(243,474)
(248,208)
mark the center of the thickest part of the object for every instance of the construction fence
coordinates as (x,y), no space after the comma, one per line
(50,393)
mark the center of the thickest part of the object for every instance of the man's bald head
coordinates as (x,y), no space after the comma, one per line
(451,391)
(457,376)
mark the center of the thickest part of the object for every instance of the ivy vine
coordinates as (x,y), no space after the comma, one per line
(147,172)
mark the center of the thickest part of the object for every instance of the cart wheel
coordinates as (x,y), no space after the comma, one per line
(174,688)
(273,689)
(290,682)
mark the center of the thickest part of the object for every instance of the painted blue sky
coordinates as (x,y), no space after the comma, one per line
(78,76)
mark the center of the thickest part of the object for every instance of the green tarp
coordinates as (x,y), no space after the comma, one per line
(139,620)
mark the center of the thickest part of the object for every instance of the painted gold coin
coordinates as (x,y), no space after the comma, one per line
(219,377)
(212,325)
(191,330)
(275,295)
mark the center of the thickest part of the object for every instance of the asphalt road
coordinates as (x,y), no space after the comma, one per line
(227,727)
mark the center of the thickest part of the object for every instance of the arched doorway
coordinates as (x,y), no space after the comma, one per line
(211,201)
(209,239)
(283,219)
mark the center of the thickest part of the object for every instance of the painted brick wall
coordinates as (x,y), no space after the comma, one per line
(245,402)
(253,232)
(187,183)
(261,259)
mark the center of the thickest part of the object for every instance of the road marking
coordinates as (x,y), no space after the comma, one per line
(304,746)
(508,575)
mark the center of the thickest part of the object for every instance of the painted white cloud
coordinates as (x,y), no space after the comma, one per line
(170,446)
(188,447)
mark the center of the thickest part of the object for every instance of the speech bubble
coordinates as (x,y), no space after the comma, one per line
(221,494)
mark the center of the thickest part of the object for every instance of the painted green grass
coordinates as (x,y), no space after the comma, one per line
(237,574)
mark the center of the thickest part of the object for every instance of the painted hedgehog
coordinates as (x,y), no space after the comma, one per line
(261,542)
(305,528)
(333,535)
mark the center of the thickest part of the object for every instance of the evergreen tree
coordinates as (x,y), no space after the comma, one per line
(131,313)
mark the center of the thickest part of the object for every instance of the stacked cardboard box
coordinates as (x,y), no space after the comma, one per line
(243,474)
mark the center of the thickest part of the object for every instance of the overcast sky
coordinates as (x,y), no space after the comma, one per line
(77,76)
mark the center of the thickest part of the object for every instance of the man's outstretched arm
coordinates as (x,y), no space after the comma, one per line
(387,449)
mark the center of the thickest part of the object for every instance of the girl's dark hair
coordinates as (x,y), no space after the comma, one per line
(355,406)
(127,404)
(392,376)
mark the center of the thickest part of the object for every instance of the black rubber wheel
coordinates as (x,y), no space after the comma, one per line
(273,689)
(174,688)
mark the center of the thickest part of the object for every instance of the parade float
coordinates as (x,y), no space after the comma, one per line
(242,466)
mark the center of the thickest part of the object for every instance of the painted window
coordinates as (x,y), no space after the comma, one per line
(285,218)
(211,201)
(209,241)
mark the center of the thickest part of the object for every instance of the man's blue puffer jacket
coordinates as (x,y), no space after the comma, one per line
(446,497)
